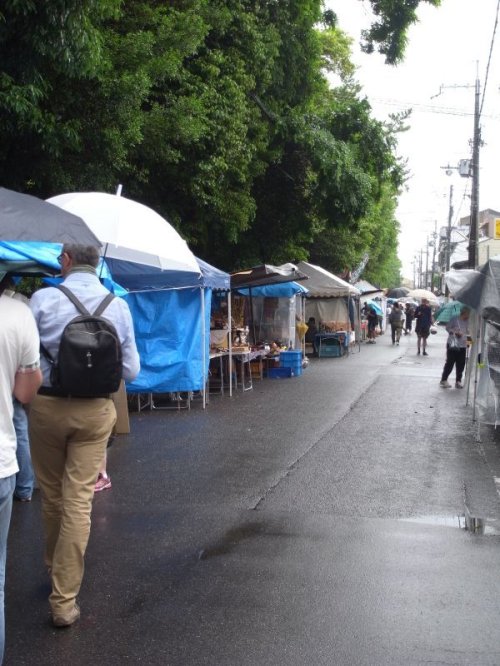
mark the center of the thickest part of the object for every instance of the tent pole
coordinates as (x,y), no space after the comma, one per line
(471,359)
(303,319)
(251,316)
(203,342)
(230,342)
(479,356)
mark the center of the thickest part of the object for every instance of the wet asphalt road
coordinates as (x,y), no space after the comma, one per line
(314,520)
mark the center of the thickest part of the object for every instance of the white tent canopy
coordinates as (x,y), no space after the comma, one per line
(322,284)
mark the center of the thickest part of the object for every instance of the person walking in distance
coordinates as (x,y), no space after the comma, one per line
(19,376)
(423,319)
(72,417)
(456,348)
(372,320)
(396,321)
(409,314)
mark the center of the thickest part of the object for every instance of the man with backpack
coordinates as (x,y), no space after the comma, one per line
(87,346)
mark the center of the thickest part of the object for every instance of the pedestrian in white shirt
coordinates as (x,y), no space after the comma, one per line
(456,348)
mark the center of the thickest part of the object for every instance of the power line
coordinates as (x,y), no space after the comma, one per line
(426,108)
(489,57)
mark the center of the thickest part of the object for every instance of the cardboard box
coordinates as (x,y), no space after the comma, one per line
(122,426)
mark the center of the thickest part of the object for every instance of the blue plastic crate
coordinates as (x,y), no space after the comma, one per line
(293,360)
(292,355)
(279,373)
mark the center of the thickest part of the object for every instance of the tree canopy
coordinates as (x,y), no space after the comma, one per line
(217,114)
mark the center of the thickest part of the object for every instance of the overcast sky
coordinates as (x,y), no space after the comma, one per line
(447,49)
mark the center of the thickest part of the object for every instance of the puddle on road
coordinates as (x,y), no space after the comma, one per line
(231,539)
(471,524)
(236,536)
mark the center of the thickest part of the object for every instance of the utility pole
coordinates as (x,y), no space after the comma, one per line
(448,235)
(426,281)
(474,201)
(472,171)
(420,263)
(448,231)
(434,243)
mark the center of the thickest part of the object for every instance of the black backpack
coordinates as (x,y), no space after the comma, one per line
(89,362)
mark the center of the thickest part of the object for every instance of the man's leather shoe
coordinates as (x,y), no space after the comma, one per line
(68,619)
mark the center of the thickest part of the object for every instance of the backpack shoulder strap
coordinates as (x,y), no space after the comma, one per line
(46,353)
(79,306)
(103,305)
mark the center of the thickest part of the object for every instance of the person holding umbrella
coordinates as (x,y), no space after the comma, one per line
(396,321)
(409,314)
(423,317)
(372,319)
(456,348)
(69,432)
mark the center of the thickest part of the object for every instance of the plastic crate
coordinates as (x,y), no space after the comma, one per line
(293,355)
(292,359)
(332,349)
(279,373)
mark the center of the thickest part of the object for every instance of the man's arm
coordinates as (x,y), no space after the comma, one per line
(26,384)
(28,377)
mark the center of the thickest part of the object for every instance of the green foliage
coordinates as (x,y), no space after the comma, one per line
(216,113)
(389,32)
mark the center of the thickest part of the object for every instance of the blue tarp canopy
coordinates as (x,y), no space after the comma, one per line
(138,277)
(213,277)
(169,336)
(42,254)
(33,258)
(281,290)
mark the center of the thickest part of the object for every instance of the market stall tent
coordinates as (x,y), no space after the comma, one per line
(480,290)
(264,275)
(330,300)
(173,334)
(275,311)
(323,284)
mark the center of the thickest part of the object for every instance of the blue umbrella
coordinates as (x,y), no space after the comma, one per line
(375,306)
(448,311)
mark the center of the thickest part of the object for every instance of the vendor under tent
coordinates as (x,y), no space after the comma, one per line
(276,309)
(264,275)
(332,302)
(274,292)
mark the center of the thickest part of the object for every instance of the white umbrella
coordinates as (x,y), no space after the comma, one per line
(130,231)
(419,294)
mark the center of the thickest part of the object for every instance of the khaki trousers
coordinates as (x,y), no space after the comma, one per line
(68,439)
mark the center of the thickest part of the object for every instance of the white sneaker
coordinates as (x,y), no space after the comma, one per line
(459,385)
(445,384)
